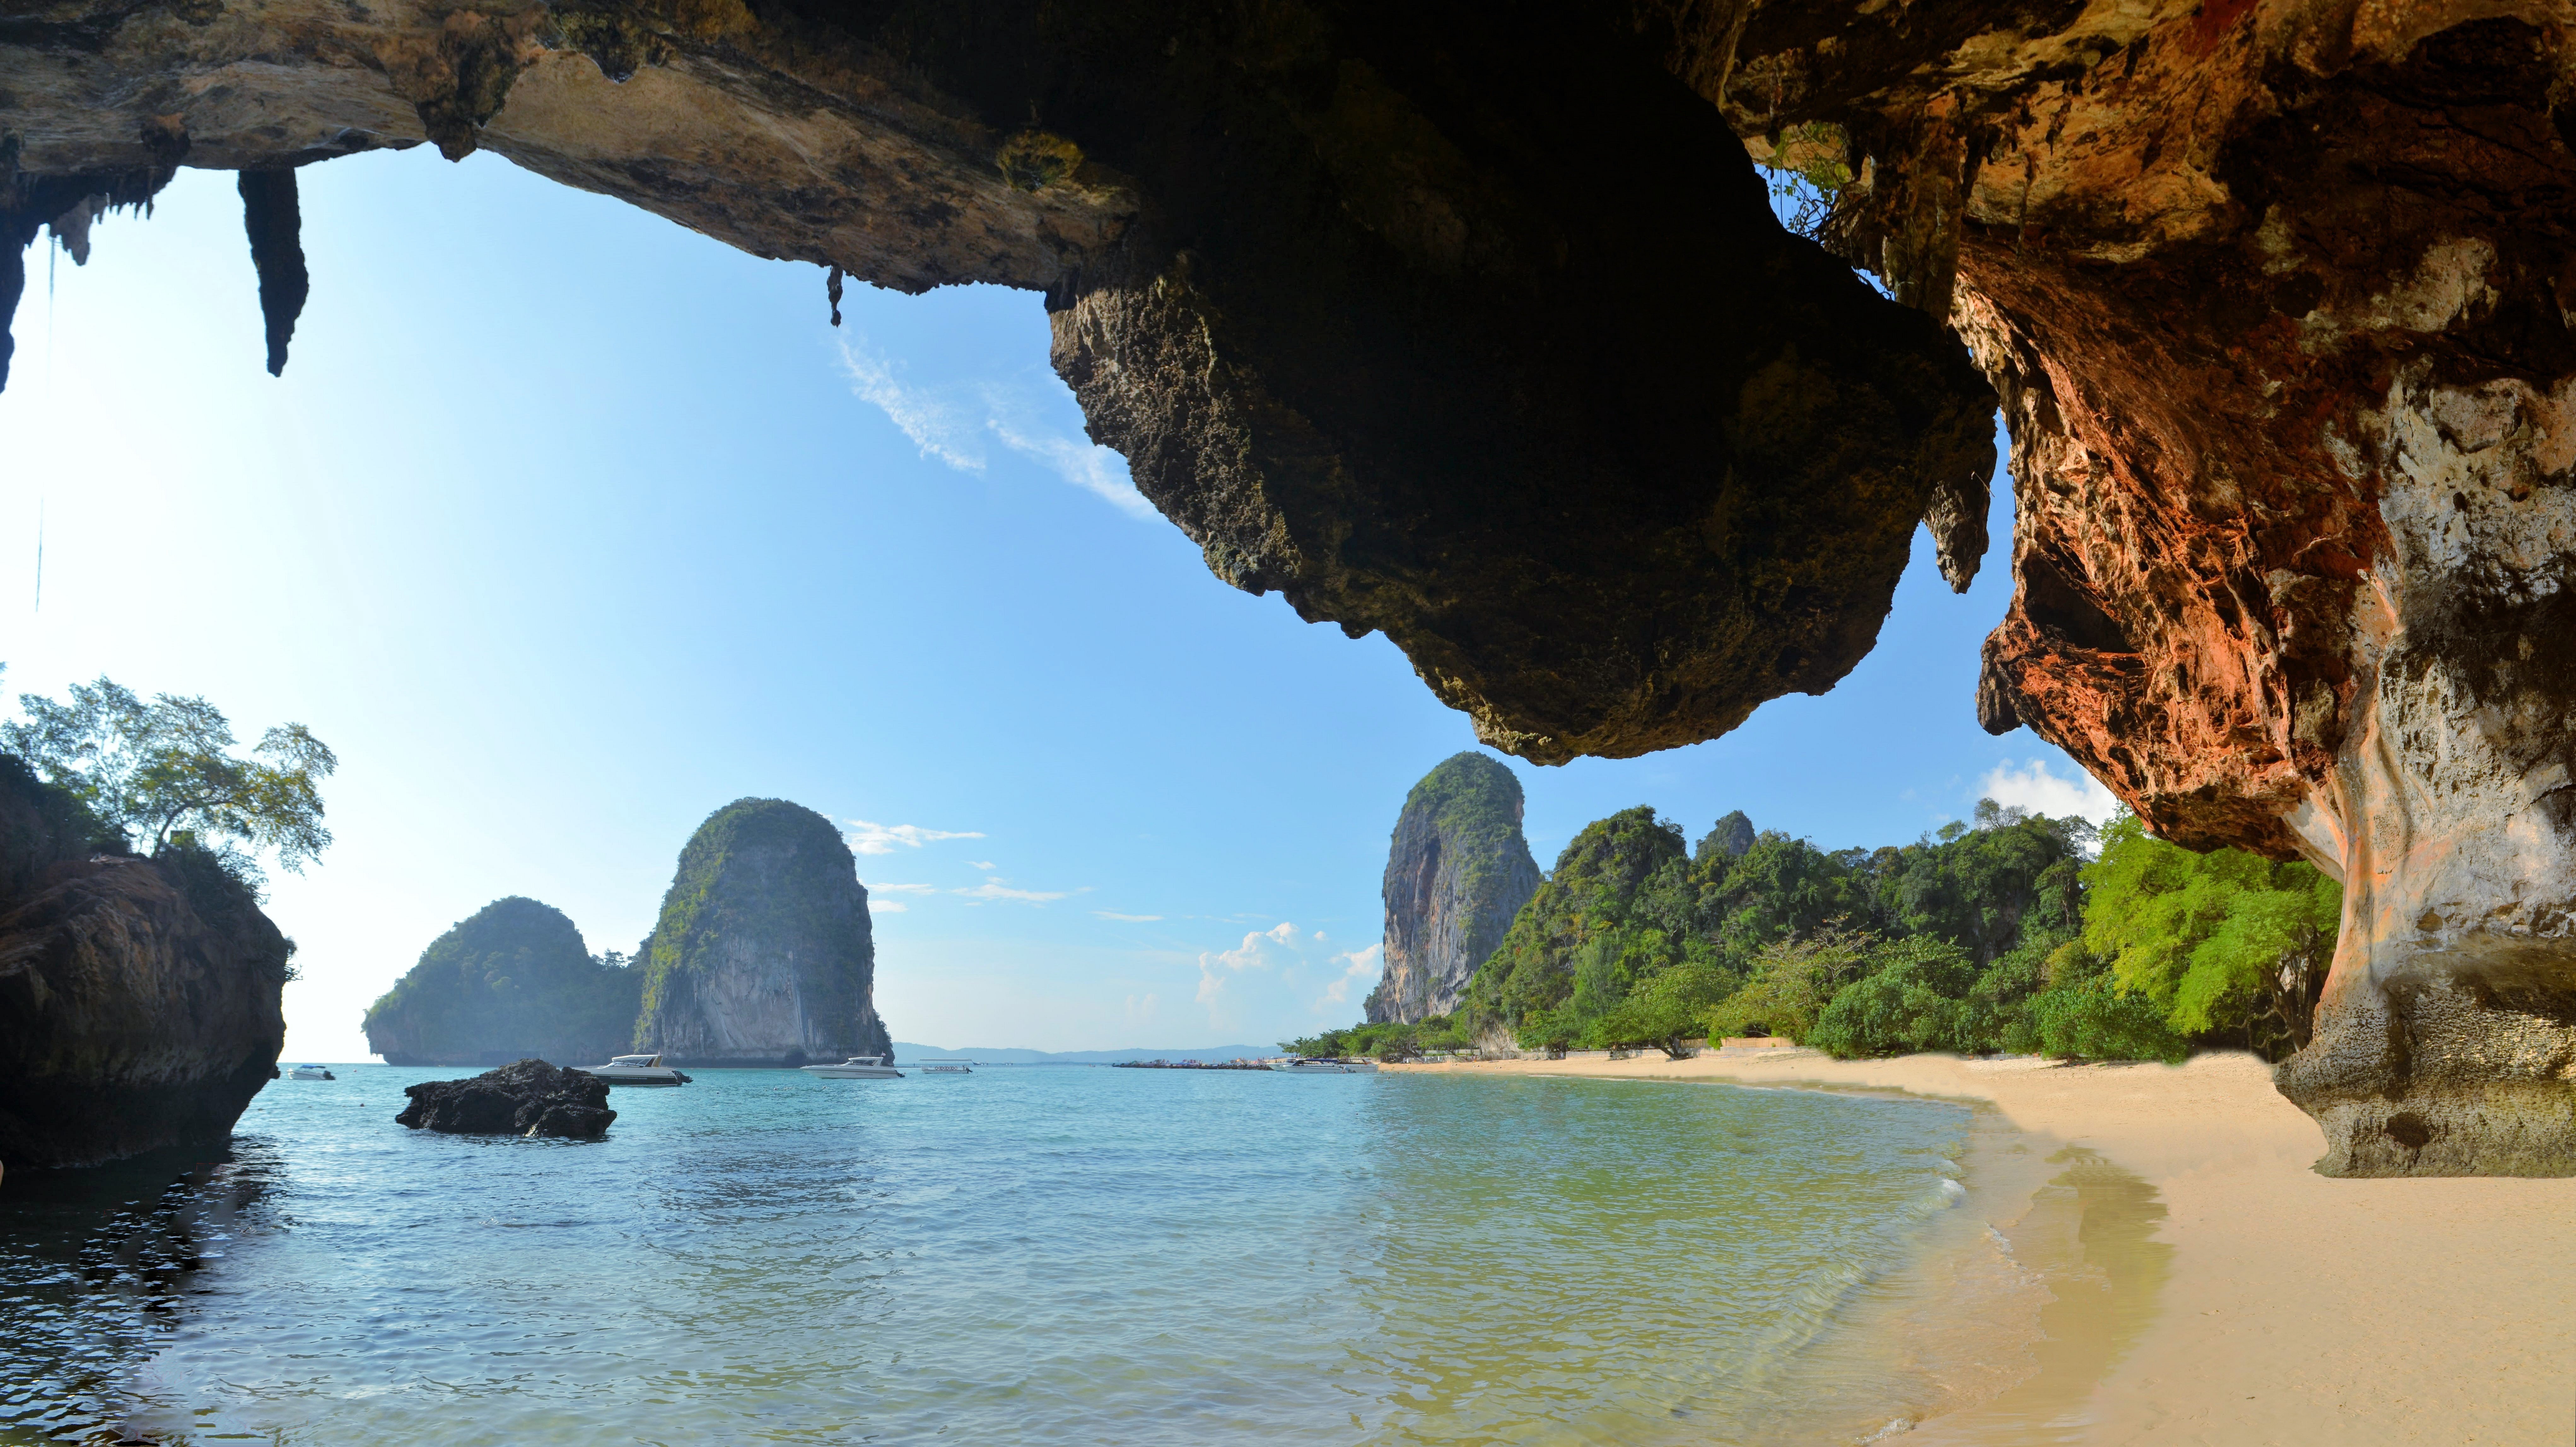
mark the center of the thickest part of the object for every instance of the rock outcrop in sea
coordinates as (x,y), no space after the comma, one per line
(139,998)
(763,953)
(512,981)
(523,1098)
(1457,870)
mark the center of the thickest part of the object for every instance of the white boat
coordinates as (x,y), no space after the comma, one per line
(310,1072)
(947,1067)
(634,1070)
(1306,1065)
(857,1067)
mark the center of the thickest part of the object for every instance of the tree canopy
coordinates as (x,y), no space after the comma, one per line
(168,770)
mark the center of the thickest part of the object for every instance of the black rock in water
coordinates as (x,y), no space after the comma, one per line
(526,1097)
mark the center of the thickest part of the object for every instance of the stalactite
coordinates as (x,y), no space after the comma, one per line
(276,224)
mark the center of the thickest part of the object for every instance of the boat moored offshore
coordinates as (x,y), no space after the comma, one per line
(310,1072)
(634,1070)
(1312,1065)
(857,1067)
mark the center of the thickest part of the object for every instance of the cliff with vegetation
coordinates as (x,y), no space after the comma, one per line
(762,954)
(512,981)
(1471,325)
(139,998)
(1457,871)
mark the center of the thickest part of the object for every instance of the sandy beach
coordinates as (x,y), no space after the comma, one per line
(2290,1309)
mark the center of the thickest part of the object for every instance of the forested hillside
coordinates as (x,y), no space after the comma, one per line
(2000,934)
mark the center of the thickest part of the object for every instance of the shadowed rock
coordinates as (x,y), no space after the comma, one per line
(276,224)
(525,1098)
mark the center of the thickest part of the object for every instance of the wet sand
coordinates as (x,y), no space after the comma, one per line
(2201,1284)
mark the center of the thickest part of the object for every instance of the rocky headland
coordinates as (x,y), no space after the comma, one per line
(139,998)
(523,1098)
(1457,870)
(763,954)
(1472,325)
(514,980)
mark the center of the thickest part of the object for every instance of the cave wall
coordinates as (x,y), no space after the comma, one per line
(2277,297)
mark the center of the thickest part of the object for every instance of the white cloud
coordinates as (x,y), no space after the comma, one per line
(1367,964)
(1001,889)
(901,888)
(1140,1010)
(2032,787)
(950,423)
(867,838)
(1127,918)
(985,865)
(1253,954)
(935,424)
(888,906)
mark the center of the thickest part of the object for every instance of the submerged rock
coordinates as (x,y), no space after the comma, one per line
(526,1098)
(139,998)
(513,981)
(1457,870)
(763,954)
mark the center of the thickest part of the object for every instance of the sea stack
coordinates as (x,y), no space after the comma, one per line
(1457,870)
(139,998)
(513,981)
(762,955)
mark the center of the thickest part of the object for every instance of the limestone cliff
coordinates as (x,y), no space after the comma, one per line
(1457,871)
(1468,323)
(138,997)
(763,953)
(512,981)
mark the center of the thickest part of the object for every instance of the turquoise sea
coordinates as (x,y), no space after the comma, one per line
(1023,1255)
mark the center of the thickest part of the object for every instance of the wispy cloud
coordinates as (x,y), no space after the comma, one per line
(887,906)
(1358,965)
(1127,918)
(2031,786)
(985,865)
(952,423)
(1001,889)
(901,888)
(1255,953)
(868,838)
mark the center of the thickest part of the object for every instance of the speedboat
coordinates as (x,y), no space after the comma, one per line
(857,1067)
(947,1067)
(310,1072)
(634,1070)
(1309,1065)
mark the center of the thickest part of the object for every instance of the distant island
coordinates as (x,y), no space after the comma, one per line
(992,1056)
(762,955)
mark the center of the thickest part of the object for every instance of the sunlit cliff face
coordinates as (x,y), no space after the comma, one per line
(1473,327)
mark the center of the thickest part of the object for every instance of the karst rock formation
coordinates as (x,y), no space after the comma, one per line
(763,954)
(1470,324)
(139,998)
(510,981)
(1457,870)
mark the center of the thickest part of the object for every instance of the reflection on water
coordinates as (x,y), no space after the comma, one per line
(1031,1255)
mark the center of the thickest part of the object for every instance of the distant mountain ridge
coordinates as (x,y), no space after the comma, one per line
(909,1054)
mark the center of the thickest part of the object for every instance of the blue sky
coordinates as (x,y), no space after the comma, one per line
(567,526)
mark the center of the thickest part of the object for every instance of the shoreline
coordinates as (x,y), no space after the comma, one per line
(2292,1309)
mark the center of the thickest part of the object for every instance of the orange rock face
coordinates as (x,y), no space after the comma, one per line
(2278,300)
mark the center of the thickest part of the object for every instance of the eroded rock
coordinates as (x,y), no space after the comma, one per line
(139,998)
(2277,298)
(1457,870)
(524,1098)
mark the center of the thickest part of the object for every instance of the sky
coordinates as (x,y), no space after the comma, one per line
(567,526)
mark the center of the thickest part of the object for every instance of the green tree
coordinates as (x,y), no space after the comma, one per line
(2223,944)
(167,771)
(1668,1009)
(1792,983)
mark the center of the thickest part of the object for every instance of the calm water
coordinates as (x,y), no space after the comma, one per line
(1020,1256)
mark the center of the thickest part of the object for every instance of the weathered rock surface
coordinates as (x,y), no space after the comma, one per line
(763,954)
(1465,323)
(524,1098)
(2278,297)
(512,981)
(1457,870)
(138,997)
